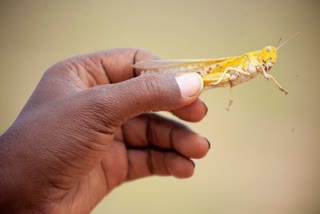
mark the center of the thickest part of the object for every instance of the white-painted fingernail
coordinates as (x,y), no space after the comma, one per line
(190,84)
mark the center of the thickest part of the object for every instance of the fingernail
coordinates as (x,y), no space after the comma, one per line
(206,109)
(190,84)
(209,144)
(194,165)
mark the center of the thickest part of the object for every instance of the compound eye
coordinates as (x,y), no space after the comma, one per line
(268,49)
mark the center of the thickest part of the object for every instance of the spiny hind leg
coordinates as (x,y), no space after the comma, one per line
(268,77)
(223,76)
(230,98)
(237,72)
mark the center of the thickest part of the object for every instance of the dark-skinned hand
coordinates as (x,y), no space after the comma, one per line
(88,128)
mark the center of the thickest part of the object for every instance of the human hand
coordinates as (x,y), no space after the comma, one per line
(86,129)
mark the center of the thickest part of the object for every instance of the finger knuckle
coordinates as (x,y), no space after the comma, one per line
(152,84)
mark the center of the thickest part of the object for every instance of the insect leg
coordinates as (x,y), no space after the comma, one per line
(227,70)
(230,98)
(268,77)
(221,78)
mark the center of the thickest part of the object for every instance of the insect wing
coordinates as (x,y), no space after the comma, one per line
(181,65)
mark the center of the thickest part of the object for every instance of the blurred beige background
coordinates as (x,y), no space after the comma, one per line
(266,150)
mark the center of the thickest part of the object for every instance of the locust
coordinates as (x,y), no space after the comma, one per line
(222,72)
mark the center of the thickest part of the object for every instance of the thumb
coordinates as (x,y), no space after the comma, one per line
(149,92)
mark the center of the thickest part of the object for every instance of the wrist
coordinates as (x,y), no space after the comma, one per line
(9,194)
(13,180)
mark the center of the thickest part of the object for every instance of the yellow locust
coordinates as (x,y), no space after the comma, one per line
(221,72)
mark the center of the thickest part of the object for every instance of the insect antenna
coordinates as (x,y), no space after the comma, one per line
(279,42)
(280,45)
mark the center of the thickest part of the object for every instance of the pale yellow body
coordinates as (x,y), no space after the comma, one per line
(230,71)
